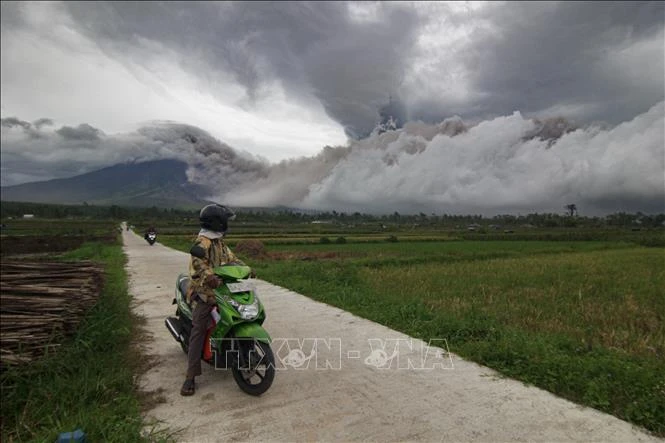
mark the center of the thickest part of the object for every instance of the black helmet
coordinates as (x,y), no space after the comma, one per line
(215,217)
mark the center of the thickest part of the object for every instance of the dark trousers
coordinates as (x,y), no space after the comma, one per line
(201,319)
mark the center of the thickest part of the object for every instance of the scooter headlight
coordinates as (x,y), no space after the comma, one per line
(249,312)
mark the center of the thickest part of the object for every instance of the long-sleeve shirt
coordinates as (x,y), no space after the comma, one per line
(217,253)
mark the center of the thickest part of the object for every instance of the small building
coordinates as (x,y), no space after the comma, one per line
(28,215)
(473,227)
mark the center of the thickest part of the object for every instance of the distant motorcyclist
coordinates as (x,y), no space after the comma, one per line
(209,251)
(150,230)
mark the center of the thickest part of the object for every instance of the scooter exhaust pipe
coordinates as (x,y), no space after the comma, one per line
(173,325)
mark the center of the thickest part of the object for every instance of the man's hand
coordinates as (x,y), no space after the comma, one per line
(212,281)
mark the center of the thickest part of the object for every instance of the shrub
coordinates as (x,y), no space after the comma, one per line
(324,240)
(392,239)
(340,240)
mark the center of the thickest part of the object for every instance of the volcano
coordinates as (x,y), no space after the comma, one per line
(160,183)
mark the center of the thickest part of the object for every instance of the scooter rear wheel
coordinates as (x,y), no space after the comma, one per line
(254,370)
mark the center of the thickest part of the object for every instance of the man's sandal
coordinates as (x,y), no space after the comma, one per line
(188,387)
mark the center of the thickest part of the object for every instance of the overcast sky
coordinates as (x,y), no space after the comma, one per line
(84,82)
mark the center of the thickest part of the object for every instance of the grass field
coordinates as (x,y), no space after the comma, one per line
(89,382)
(297,233)
(580,313)
(582,319)
(40,226)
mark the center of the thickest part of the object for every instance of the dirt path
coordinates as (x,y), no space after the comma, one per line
(343,392)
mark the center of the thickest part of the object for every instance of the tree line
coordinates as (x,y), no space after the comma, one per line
(285,215)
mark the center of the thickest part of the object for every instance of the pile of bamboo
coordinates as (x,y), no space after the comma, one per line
(41,303)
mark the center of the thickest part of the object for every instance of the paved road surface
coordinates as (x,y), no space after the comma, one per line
(344,391)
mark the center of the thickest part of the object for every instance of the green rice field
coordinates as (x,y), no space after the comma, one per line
(582,319)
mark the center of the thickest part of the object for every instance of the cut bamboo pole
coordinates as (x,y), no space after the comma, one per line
(41,303)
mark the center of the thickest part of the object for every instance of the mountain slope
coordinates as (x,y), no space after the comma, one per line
(161,183)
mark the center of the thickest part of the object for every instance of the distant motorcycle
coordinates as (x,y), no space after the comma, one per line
(150,237)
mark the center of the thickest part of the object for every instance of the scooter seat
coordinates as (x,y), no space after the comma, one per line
(183,286)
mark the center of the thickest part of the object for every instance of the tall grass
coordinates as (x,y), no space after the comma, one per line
(585,321)
(89,382)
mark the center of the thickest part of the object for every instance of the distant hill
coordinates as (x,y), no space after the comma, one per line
(160,183)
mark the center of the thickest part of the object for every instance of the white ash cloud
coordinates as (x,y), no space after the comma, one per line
(504,165)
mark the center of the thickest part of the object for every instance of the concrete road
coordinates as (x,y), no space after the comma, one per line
(343,378)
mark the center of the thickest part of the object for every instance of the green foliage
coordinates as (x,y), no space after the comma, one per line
(583,320)
(44,227)
(89,382)
(644,238)
(575,310)
(114,212)
(340,240)
(268,217)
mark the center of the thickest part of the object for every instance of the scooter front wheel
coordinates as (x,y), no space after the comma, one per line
(254,369)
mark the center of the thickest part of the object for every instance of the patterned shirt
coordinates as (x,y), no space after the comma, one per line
(216,254)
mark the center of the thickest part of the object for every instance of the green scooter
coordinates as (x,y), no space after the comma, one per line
(236,339)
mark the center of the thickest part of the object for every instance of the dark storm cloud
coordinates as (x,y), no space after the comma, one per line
(42,122)
(28,128)
(66,151)
(11,122)
(568,57)
(313,49)
(10,14)
(600,60)
(498,67)
(83,132)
